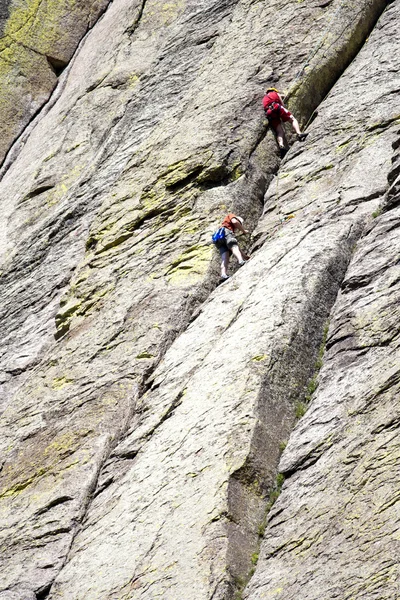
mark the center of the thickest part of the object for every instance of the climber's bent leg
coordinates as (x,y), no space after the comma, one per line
(295,124)
(225,256)
(280,135)
(237,253)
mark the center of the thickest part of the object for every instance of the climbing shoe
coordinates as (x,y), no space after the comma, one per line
(222,279)
(283,152)
(301,136)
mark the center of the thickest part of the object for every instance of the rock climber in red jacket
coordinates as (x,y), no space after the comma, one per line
(276,113)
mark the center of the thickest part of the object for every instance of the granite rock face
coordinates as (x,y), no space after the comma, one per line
(340,499)
(144,411)
(37,41)
(334,531)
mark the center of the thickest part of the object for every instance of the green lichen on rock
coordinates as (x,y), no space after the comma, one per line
(60,382)
(38,461)
(39,25)
(78,303)
(164,13)
(39,38)
(190,265)
(182,172)
(260,357)
(144,354)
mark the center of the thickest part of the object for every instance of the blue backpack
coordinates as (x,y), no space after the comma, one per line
(219,235)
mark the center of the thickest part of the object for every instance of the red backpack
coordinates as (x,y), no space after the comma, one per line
(272,110)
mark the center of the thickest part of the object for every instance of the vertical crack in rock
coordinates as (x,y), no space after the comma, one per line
(330,57)
(341,477)
(38,40)
(342,459)
(59,67)
(283,386)
(131,30)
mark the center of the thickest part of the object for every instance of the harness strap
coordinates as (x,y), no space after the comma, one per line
(274,106)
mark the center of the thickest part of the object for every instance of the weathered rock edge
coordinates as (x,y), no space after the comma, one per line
(38,41)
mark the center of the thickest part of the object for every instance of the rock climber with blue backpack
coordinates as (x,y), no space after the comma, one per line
(227,244)
(276,114)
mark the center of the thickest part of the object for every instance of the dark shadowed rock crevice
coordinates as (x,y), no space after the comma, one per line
(346,30)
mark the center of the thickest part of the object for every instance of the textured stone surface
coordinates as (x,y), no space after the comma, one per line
(4,4)
(66,405)
(18,594)
(185,490)
(223,397)
(122,477)
(37,41)
(334,531)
